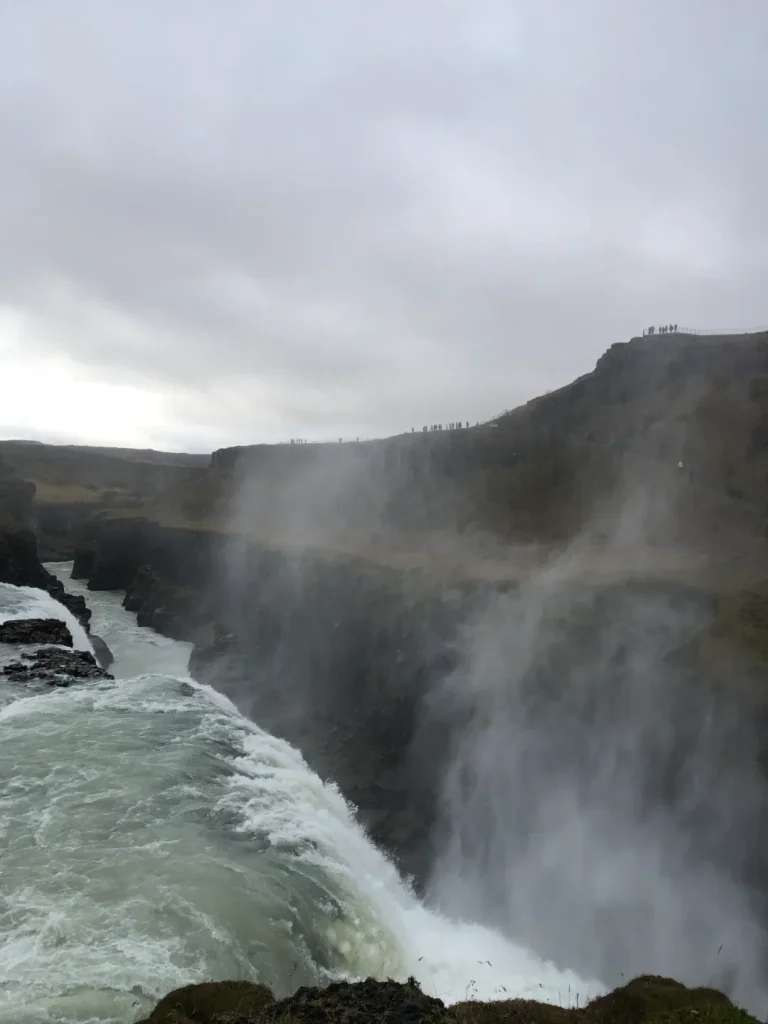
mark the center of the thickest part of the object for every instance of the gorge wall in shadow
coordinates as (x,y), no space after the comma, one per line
(605,797)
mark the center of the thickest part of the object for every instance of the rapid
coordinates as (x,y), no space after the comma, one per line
(151,836)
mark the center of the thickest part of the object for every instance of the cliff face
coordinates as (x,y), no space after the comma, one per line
(683,417)
(19,563)
(19,559)
(332,654)
(664,445)
(645,1000)
(373,673)
(315,590)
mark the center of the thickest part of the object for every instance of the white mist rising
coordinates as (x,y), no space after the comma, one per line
(601,803)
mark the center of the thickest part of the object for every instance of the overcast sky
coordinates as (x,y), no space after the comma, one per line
(230,222)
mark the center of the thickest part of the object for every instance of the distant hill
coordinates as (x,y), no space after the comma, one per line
(72,482)
(147,455)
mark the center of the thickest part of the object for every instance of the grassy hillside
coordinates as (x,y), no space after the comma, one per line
(66,475)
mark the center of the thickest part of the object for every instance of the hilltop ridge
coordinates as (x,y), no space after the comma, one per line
(662,447)
(663,444)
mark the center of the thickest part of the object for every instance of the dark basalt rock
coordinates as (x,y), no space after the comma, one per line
(104,656)
(83,564)
(19,563)
(35,631)
(386,1002)
(211,1001)
(113,566)
(73,602)
(56,667)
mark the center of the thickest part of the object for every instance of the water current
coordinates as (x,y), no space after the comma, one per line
(150,836)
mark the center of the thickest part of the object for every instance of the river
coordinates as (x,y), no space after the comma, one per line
(150,836)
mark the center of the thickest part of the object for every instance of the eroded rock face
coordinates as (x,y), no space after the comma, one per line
(35,631)
(56,667)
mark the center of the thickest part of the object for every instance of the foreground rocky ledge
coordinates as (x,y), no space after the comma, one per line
(646,1000)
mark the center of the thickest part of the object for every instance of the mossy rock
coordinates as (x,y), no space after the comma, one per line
(646,1000)
(651,998)
(213,1002)
(385,1002)
(512,1011)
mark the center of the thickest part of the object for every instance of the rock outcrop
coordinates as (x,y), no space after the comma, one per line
(212,1001)
(19,563)
(35,631)
(55,667)
(19,558)
(646,1000)
(104,655)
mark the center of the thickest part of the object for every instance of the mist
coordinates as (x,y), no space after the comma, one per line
(584,776)
(603,803)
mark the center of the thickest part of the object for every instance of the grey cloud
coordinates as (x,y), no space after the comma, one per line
(374,216)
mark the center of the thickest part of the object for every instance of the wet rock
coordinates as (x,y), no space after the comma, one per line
(35,631)
(213,1002)
(104,655)
(73,602)
(646,1000)
(83,564)
(56,667)
(140,590)
(19,562)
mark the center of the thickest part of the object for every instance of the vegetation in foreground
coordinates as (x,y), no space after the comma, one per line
(646,1000)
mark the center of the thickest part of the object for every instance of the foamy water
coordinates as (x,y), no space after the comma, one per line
(151,836)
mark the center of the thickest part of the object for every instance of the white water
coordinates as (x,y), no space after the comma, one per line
(32,603)
(151,836)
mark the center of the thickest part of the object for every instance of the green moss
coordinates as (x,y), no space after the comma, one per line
(210,1002)
(646,1000)
(650,998)
(513,1011)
